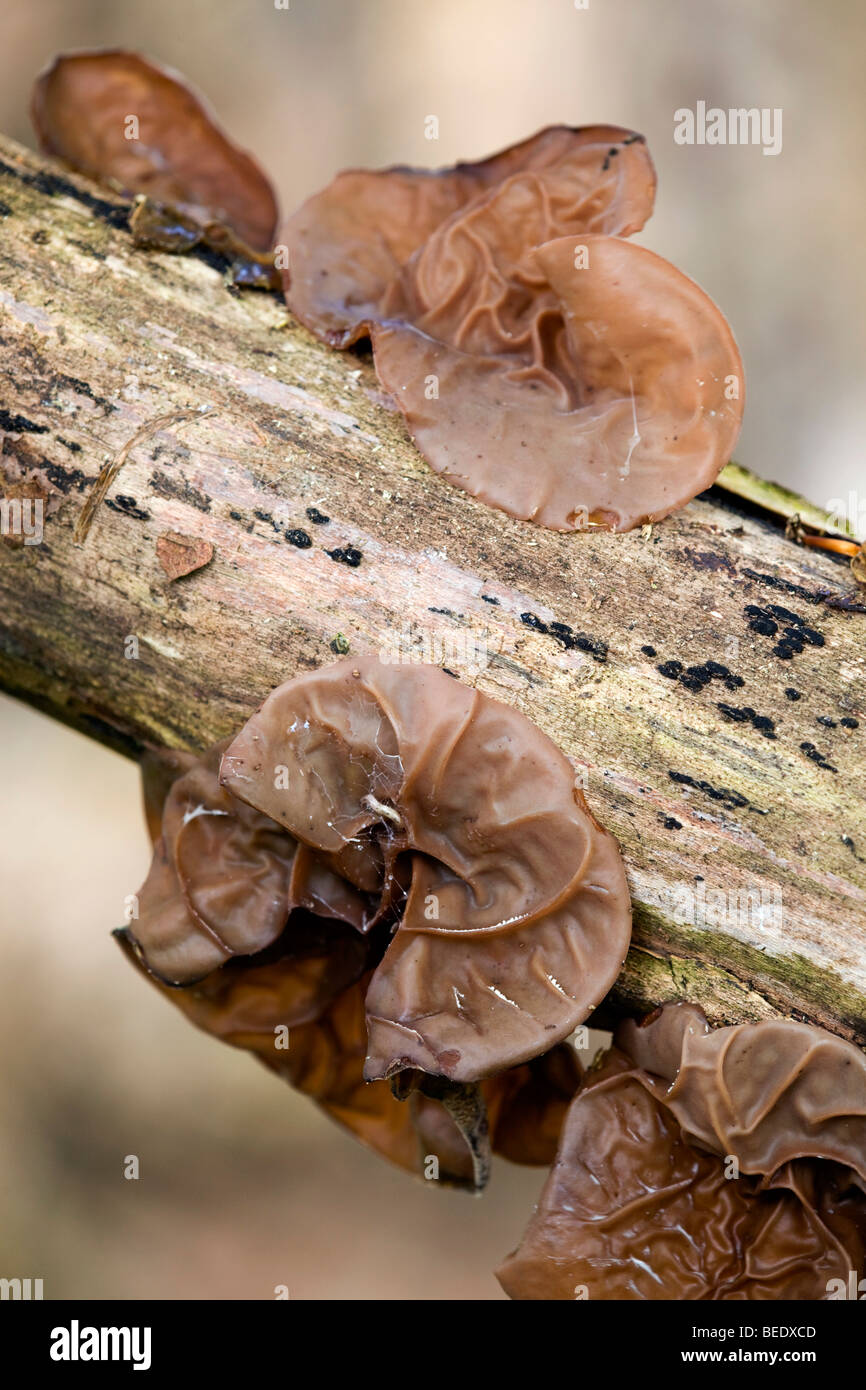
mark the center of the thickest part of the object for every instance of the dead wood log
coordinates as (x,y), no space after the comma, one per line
(215,418)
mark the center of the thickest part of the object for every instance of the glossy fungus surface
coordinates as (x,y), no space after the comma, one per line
(543,364)
(698,1164)
(511,905)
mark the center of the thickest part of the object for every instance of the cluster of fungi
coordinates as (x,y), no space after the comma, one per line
(387,886)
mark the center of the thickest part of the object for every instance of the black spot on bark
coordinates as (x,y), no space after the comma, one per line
(730,798)
(19,424)
(180,490)
(54,185)
(818,758)
(346,555)
(128,506)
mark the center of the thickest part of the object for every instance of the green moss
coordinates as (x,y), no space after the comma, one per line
(732,981)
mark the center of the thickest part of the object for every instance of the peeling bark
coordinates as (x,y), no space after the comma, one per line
(329,532)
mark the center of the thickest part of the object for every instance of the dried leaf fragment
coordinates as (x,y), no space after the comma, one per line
(180,555)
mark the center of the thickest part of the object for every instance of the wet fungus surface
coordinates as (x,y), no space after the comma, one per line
(399,871)
(514,913)
(705,1164)
(543,363)
(386,887)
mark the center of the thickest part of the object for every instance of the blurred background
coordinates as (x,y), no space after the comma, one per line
(244,1186)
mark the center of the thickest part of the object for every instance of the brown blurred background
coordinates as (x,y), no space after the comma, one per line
(243,1186)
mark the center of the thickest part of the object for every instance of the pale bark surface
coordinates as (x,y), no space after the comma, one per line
(100,341)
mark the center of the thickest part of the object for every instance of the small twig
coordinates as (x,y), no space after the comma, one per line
(780,501)
(110,470)
(832,543)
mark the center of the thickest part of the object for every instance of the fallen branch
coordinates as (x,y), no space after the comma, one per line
(706,676)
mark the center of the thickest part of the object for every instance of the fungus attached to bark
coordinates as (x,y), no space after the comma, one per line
(511,903)
(602,402)
(427,905)
(542,363)
(115,117)
(699,1164)
(316,990)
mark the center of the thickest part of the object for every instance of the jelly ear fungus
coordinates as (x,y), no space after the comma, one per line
(400,870)
(705,1164)
(514,917)
(542,363)
(174,153)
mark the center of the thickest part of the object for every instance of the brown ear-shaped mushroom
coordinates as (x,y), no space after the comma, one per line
(223,879)
(517,918)
(528,1106)
(244,1001)
(583,382)
(772,1092)
(348,243)
(83,107)
(636,1208)
(316,991)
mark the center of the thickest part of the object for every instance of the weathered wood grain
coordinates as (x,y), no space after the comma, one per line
(99,340)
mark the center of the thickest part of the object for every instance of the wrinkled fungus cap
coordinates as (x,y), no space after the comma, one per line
(698,1164)
(250,932)
(606,407)
(542,363)
(349,243)
(516,917)
(179,156)
(771,1092)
